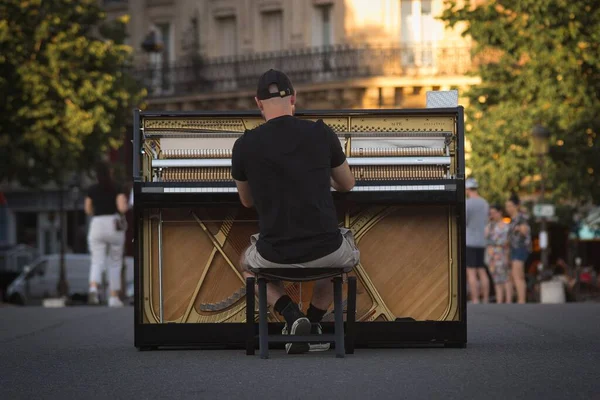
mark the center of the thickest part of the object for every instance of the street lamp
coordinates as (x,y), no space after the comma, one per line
(152,42)
(541,145)
(74,187)
(541,140)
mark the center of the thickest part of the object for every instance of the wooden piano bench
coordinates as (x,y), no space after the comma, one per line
(344,341)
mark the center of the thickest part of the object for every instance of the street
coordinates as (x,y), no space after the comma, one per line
(515,351)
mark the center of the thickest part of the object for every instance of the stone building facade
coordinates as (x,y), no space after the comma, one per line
(338,53)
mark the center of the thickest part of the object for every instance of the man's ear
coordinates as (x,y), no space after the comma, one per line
(258,103)
(293,99)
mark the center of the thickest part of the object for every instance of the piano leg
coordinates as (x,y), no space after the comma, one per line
(340,349)
(263,326)
(160,268)
(250,281)
(351,315)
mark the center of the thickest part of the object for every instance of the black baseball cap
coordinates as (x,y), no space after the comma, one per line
(284,85)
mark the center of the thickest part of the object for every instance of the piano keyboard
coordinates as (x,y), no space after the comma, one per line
(393,188)
(358,161)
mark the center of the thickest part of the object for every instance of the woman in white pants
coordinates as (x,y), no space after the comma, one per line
(106,203)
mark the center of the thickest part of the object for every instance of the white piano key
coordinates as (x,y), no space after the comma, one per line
(201,162)
(398,161)
(374,188)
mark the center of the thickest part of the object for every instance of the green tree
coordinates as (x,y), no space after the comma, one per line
(539,62)
(64,88)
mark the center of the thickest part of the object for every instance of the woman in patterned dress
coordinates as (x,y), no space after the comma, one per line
(497,253)
(519,236)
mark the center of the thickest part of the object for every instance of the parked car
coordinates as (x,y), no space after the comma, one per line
(39,279)
(12,261)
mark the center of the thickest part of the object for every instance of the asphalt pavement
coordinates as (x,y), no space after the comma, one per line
(532,351)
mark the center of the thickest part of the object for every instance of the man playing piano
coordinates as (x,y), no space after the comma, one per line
(285,169)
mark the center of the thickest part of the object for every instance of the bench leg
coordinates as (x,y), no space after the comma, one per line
(250,325)
(339,317)
(351,315)
(263,327)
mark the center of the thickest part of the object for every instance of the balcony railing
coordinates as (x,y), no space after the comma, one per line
(309,65)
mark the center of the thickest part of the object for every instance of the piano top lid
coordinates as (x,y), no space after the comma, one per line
(201,133)
(346,123)
(306,113)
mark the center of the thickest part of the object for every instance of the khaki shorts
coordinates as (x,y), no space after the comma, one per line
(346,256)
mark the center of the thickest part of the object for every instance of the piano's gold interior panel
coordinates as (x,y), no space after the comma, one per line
(406,268)
(213,137)
(166,126)
(402,124)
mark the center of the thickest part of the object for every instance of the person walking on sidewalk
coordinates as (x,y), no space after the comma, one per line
(106,203)
(477,211)
(497,254)
(520,247)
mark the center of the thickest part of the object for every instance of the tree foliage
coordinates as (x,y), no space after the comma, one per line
(539,62)
(64,89)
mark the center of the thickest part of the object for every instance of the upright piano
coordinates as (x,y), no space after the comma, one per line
(407,213)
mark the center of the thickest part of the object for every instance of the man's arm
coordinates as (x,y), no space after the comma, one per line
(88,207)
(467,213)
(239,175)
(342,179)
(245,194)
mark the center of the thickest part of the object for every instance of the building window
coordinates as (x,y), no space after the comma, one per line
(272,25)
(408,32)
(165,31)
(161,60)
(322,25)
(226,36)
(191,38)
(428,23)
(419,32)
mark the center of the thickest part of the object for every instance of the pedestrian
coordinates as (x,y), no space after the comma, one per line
(477,211)
(520,247)
(498,253)
(107,204)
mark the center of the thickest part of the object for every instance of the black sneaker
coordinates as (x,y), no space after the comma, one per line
(300,327)
(318,330)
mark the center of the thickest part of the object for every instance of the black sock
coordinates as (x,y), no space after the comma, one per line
(315,314)
(288,309)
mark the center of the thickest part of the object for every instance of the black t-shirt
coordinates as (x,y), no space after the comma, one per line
(287,163)
(104,200)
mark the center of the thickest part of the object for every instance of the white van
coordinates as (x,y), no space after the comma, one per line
(39,279)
